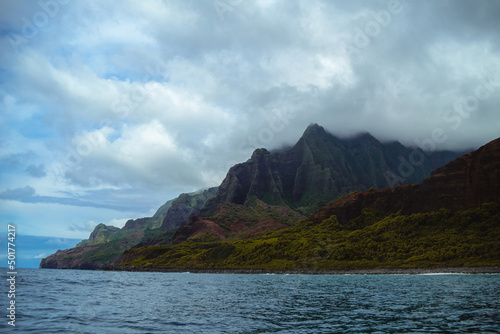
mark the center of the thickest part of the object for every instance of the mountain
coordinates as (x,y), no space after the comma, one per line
(464,183)
(236,222)
(185,205)
(450,219)
(269,192)
(321,168)
(106,244)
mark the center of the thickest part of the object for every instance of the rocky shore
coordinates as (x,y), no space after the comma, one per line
(375,271)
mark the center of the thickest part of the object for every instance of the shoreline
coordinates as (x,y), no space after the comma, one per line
(374,271)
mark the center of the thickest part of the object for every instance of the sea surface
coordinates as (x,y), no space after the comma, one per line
(71,301)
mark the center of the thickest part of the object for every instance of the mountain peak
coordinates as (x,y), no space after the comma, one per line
(312,129)
(314,126)
(102,229)
(259,152)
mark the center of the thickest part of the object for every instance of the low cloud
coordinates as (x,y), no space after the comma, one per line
(86,227)
(40,256)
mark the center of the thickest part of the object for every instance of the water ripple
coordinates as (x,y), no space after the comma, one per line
(68,301)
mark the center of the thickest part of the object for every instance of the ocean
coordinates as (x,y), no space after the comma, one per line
(72,301)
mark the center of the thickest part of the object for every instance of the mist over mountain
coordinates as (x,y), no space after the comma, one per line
(320,167)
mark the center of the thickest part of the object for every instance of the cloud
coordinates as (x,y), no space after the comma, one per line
(106,198)
(20,194)
(54,220)
(23,162)
(120,107)
(40,256)
(143,154)
(86,227)
(36,170)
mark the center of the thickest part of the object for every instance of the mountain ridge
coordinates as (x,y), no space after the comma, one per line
(106,244)
(317,169)
(270,190)
(455,186)
(451,219)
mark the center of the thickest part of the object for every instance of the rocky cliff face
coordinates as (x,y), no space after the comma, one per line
(141,223)
(319,169)
(102,232)
(70,259)
(274,190)
(464,183)
(236,221)
(184,206)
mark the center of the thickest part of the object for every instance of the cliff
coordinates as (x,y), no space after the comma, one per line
(319,169)
(464,183)
(185,205)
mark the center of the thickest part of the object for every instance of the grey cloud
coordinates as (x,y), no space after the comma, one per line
(242,71)
(87,227)
(37,170)
(19,162)
(120,200)
(20,194)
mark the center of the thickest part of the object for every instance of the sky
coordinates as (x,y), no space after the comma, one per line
(108,109)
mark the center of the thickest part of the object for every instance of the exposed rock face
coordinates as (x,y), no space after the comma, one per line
(136,223)
(201,227)
(241,221)
(102,231)
(464,183)
(183,206)
(104,246)
(319,169)
(69,259)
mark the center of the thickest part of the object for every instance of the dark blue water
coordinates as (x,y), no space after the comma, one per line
(69,301)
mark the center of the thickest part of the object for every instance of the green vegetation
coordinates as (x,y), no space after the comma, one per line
(114,247)
(442,238)
(253,213)
(106,244)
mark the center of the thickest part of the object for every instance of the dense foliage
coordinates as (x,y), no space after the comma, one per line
(256,211)
(442,238)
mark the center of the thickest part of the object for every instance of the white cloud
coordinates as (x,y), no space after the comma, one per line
(140,154)
(49,219)
(40,256)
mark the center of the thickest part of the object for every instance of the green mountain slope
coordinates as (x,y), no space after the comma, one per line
(106,244)
(435,239)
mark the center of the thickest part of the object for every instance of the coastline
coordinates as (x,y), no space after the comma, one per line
(374,271)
